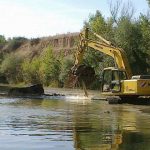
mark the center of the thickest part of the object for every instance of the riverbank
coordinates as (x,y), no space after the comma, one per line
(69,94)
(55,93)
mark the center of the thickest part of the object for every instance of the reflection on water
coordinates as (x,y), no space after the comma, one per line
(68,125)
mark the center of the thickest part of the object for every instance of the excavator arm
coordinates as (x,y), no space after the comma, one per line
(103,46)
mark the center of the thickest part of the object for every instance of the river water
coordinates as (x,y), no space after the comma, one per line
(72,124)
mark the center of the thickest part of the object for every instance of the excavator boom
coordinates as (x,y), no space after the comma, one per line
(105,47)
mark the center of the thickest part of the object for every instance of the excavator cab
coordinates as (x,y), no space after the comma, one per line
(111,79)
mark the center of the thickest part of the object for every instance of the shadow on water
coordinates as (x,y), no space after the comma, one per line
(137,101)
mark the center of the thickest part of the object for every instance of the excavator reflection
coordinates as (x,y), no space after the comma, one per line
(95,134)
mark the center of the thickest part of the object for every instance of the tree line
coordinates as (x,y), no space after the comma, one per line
(130,33)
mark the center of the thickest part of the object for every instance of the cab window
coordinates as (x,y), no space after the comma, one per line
(123,75)
(107,78)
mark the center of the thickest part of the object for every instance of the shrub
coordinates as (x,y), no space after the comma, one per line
(50,67)
(66,65)
(2,39)
(30,71)
(43,69)
(11,67)
(34,41)
(15,43)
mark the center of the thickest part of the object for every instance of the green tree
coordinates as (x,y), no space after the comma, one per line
(42,69)
(11,67)
(2,39)
(66,65)
(30,70)
(148,2)
(127,37)
(144,22)
(50,67)
(98,24)
(123,31)
(15,43)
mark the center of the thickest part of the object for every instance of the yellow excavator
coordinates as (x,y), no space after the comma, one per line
(116,81)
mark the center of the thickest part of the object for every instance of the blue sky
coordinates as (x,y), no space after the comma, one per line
(37,18)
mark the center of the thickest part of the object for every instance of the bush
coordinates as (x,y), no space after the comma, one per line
(11,67)
(15,43)
(50,67)
(30,71)
(2,39)
(67,63)
(34,41)
(43,69)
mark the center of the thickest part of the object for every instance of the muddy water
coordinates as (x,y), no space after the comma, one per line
(72,124)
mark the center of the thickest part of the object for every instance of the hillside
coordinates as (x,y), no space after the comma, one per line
(33,47)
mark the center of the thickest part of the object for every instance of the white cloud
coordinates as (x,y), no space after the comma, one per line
(34,18)
(18,20)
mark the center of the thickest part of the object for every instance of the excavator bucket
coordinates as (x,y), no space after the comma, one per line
(85,73)
(81,74)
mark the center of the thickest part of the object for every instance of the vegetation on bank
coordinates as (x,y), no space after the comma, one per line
(121,28)
(48,68)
